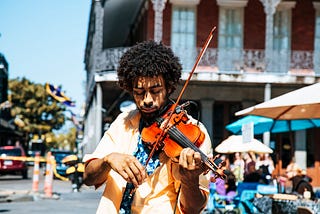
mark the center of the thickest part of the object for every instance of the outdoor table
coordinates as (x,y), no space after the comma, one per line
(284,203)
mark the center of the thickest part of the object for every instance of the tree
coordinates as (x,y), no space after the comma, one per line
(34,110)
(67,140)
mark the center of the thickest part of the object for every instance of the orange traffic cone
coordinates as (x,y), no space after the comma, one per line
(36,173)
(48,181)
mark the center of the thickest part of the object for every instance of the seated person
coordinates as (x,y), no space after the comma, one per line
(231,187)
(220,186)
(253,175)
(300,182)
(227,187)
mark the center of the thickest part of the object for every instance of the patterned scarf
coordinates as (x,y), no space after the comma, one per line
(141,153)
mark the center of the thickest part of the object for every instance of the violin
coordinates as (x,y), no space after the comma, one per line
(179,134)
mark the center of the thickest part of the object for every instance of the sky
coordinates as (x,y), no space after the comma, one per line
(44,41)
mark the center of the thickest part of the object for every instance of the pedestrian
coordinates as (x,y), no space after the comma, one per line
(265,165)
(237,167)
(150,72)
(249,163)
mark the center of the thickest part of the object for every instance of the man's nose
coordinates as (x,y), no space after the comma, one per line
(148,101)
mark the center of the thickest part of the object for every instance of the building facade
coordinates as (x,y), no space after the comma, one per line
(8,131)
(261,49)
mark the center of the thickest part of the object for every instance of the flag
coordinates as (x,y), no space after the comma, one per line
(57,94)
(75,120)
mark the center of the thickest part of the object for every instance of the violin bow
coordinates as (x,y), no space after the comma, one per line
(163,132)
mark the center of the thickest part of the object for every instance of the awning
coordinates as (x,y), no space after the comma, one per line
(118,21)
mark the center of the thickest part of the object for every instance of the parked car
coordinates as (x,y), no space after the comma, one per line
(58,156)
(13,161)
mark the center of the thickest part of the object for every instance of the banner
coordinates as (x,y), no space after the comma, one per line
(57,94)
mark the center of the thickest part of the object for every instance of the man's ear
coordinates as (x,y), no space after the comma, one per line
(169,90)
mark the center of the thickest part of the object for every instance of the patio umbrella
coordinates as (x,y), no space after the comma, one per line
(265,124)
(303,103)
(234,144)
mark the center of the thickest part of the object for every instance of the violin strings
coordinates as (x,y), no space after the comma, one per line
(181,139)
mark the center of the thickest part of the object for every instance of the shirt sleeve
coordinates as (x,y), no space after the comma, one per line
(110,141)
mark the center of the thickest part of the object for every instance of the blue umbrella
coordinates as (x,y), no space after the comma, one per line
(265,124)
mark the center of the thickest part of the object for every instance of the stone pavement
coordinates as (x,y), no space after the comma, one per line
(23,195)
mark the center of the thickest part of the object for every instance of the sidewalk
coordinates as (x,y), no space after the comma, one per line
(14,189)
(24,195)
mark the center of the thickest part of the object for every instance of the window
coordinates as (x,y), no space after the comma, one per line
(183,35)
(230,31)
(281,41)
(183,27)
(317,31)
(281,30)
(230,42)
(316,57)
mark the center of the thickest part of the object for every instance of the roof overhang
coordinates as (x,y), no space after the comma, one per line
(118,21)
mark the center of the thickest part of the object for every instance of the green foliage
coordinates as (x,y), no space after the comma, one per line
(67,140)
(36,112)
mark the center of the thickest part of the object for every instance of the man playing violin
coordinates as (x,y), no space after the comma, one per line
(150,72)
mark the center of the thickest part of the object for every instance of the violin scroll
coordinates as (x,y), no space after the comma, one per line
(220,169)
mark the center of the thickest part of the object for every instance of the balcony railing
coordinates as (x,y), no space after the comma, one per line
(235,61)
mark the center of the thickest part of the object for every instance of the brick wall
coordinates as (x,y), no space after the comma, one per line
(303,21)
(254,25)
(303,25)
(207,18)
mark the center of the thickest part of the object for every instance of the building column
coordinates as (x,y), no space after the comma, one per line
(97,42)
(98,113)
(269,8)
(316,57)
(267,96)
(93,123)
(158,7)
(300,152)
(207,115)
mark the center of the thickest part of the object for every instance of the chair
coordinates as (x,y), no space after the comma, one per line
(241,201)
(245,203)
(265,189)
(241,186)
(304,210)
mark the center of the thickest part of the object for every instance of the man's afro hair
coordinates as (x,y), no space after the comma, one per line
(149,59)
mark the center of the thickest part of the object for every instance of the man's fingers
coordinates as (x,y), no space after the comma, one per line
(197,159)
(183,159)
(141,169)
(190,159)
(138,172)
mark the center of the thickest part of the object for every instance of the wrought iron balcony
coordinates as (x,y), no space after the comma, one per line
(234,61)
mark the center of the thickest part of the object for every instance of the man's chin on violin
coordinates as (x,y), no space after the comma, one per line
(149,114)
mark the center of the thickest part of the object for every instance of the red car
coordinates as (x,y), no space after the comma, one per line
(12,161)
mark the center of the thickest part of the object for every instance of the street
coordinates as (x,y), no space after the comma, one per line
(16,196)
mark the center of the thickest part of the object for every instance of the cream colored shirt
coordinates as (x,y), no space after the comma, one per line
(158,194)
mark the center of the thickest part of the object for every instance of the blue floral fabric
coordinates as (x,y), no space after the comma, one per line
(141,153)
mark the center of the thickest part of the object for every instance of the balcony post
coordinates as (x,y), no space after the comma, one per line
(269,8)
(207,115)
(158,7)
(316,54)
